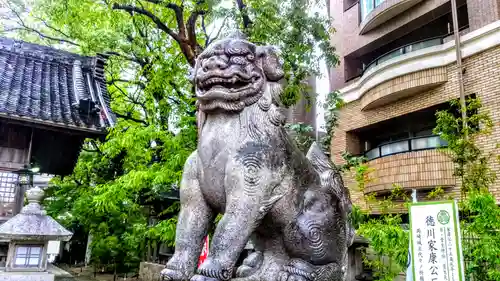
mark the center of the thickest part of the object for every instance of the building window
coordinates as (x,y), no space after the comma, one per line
(367,6)
(8,190)
(28,256)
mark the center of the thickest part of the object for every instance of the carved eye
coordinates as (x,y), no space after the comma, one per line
(250,57)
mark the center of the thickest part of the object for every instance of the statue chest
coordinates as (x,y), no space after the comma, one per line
(219,136)
(219,140)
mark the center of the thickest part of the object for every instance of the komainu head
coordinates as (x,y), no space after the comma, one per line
(233,73)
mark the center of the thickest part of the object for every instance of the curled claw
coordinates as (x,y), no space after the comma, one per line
(287,276)
(283,276)
(166,275)
(171,275)
(299,270)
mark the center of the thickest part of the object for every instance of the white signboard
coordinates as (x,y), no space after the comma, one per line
(436,250)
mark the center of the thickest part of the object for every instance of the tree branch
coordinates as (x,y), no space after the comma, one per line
(187,50)
(129,58)
(204,28)
(247,22)
(52,27)
(133,9)
(138,83)
(179,17)
(218,32)
(191,29)
(26,27)
(179,14)
(128,116)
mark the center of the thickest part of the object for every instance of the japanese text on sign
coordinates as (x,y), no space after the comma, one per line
(435,242)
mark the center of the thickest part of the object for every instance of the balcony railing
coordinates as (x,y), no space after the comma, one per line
(404,50)
(408,48)
(367,6)
(407,145)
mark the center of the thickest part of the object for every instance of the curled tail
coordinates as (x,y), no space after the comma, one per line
(331,181)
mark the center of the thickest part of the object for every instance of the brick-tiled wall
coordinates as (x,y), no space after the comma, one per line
(416,169)
(482,77)
(404,84)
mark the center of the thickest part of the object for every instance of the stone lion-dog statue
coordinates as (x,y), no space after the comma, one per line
(293,207)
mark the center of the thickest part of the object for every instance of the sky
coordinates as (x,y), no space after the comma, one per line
(322,82)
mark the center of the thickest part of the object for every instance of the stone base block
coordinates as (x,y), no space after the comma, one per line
(149,271)
(26,276)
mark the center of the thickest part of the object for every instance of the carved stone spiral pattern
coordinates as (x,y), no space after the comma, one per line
(235,51)
(210,52)
(275,117)
(264,103)
(255,130)
(252,165)
(223,274)
(314,236)
(296,271)
(238,60)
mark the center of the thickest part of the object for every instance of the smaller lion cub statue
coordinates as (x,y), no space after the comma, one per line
(293,207)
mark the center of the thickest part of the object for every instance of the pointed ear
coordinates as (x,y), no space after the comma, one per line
(271,63)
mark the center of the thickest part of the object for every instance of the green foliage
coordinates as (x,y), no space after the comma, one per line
(480,212)
(471,165)
(481,243)
(302,134)
(119,183)
(332,106)
(387,255)
(359,170)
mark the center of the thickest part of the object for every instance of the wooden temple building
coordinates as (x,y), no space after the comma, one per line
(50,101)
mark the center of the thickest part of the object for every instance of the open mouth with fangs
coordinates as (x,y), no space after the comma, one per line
(233,84)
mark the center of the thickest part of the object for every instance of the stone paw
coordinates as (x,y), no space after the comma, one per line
(286,276)
(203,278)
(212,269)
(297,270)
(172,275)
(250,264)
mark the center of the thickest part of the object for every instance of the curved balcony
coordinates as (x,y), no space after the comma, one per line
(410,163)
(405,85)
(407,145)
(376,12)
(472,43)
(412,47)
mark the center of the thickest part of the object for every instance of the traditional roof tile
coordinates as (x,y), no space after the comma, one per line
(44,85)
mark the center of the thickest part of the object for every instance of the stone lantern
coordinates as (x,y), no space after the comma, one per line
(28,234)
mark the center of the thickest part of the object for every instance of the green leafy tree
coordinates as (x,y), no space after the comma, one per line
(480,212)
(302,135)
(120,182)
(332,106)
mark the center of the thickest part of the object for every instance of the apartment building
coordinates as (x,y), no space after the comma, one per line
(398,66)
